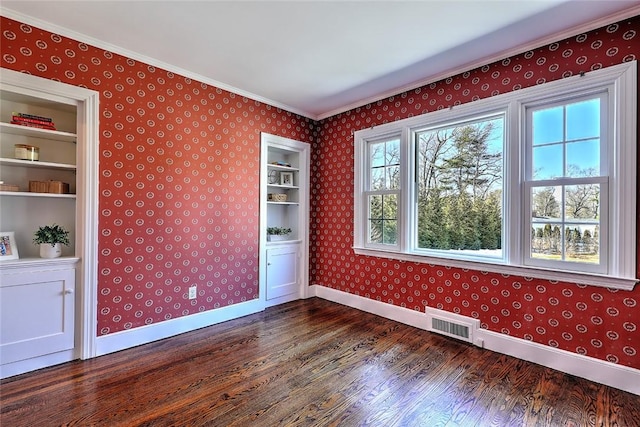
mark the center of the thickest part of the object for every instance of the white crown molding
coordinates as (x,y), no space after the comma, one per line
(62,31)
(564,34)
(600,371)
(569,32)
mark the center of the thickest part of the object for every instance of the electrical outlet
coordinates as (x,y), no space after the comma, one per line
(193,293)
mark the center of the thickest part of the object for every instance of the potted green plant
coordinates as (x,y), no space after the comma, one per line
(50,238)
(275,234)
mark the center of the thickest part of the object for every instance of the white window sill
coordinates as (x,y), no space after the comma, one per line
(600,280)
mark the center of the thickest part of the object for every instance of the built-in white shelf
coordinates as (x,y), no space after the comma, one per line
(282,168)
(36,164)
(286,187)
(38,133)
(283,242)
(33,194)
(39,262)
(283,203)
(284,267)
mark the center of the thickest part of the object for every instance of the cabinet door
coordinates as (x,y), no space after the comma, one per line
(36,314)
(282,271)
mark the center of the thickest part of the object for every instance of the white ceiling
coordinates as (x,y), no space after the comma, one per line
(318,58)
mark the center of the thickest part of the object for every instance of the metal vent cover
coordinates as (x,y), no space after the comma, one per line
(451,325)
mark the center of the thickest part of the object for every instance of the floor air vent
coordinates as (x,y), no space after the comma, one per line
(452,325)
(460,331)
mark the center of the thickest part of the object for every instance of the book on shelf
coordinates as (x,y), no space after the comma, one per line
(33,117)
(280,163)
(49,126)
(35,121)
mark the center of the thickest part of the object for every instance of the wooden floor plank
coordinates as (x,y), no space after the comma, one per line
(309,363)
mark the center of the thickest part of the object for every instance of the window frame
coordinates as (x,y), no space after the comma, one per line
(460,120)
(367,192)
(604,94)
(621,84)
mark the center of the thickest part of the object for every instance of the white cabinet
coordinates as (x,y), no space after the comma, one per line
(48,305)
(283,269)
(37,311)
(284,193)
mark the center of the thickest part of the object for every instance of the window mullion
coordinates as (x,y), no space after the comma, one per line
(513,185)
(406,215)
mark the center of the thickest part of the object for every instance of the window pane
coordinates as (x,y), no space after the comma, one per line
(582,243)
(390,231)
(582,202)
(377,178)
(583,158)
(393,152)
(383,219)
(547,203)
(459,204)
(566,141)
(548,126)
(547,162)
(375,207)
(384,163)
(375,231)
(583,119)
(390,213)
(390,206)
(572,235)
(376,154)
(393,177)
(546,241)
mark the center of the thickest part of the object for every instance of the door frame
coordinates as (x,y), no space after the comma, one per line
(303,149)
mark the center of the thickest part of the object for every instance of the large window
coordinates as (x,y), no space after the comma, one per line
(459,187)
(539,182)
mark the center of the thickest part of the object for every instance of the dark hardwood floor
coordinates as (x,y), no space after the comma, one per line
(310,363)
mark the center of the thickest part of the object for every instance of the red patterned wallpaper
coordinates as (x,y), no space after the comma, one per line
(179,179)
(588,320)
(179,195)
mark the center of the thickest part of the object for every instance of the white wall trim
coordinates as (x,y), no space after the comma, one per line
(74,35)
(556,37)
(400,314)
(145,334)
(600,371)
(569,32)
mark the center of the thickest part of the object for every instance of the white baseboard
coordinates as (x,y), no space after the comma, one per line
(402,315)
(149,333)
(21,366)
(600,371)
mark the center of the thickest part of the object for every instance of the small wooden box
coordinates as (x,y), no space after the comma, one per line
(58,187)
(9,187)
(38,186)
(54,187)
(276,197)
